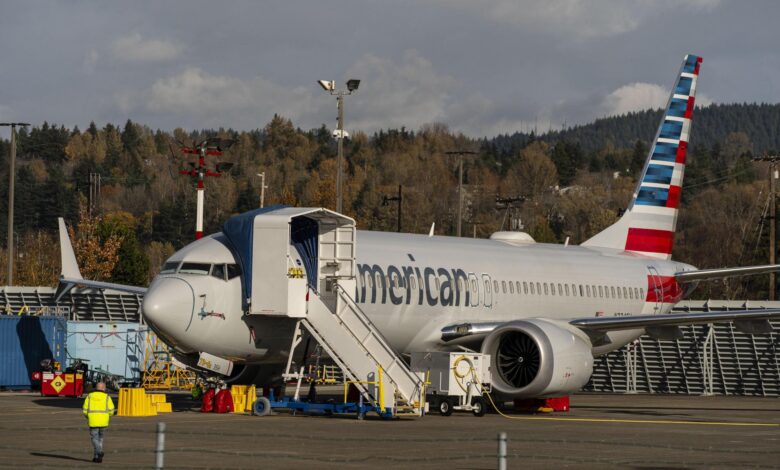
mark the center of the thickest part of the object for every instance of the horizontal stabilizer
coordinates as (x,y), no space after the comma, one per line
(720,273)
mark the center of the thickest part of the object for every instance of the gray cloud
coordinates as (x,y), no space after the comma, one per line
(578,18)
(480,66)
(134,48)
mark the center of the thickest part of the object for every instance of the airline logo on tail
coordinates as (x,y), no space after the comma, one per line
(648,225)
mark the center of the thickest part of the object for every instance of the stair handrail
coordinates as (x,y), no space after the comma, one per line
(341,291)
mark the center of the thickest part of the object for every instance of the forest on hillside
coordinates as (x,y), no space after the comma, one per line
(119,187)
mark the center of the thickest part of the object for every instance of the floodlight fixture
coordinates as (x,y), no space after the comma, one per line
(327,85)
(353,84)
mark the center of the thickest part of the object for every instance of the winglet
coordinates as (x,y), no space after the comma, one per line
(70,267)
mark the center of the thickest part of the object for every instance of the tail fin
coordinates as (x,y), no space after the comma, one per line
(647,227)
(70,268)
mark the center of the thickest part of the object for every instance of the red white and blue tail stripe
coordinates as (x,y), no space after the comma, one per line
(648,225)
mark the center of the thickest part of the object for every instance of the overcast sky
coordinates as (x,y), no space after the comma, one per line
(482,67)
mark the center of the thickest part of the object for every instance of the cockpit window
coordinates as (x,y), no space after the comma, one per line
(195,268)
(169,267)
(218,271)
(233,270)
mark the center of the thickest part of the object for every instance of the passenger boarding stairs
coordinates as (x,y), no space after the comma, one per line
(365,356)
(304,268)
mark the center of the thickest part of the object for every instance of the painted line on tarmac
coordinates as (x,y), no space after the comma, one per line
(647,421)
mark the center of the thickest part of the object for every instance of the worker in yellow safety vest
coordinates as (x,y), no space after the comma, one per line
(97,408)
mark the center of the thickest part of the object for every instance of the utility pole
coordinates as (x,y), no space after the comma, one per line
(772,160)
(262,188)
(511,208)
(11,177)
(399,199)
(95,181)
(460,154)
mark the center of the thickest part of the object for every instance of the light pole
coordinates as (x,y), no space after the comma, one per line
(262,188)
(330,87)
(11,177)
(460,154)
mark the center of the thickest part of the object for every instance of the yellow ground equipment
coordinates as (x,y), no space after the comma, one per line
(244,397)
(136,402)
(159,373)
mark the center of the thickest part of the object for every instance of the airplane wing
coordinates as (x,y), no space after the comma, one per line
(664,326)
(70,276)
(720,273)
(605,324)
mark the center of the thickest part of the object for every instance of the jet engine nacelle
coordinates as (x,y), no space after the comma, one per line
(538,358)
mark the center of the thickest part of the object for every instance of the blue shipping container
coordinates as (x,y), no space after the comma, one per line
(24,342)
(113,347)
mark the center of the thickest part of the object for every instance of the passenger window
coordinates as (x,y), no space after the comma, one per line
(532,289)
(503,286)
(218,271)
(567,289)
(552,288)
(539,288)
(169,267)
(612,290)
(195,268)
(601,291)
(587,288)
(518,286)
(545,289)
(511,287)
(582,294)
(233,270)
(631,293)
(641,293)
(487,287)
(560,289)
(525,287)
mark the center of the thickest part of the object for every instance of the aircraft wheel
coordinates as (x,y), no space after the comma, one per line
(262,406)
(478,406)
(445,407)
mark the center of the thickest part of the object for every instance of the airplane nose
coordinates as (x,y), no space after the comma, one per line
(169,304)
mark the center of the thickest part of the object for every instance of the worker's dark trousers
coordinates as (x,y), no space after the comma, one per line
(97,439)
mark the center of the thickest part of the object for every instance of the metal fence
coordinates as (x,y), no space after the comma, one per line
(709,359)
(78,304)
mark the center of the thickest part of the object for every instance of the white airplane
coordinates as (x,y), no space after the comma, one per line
(542,311)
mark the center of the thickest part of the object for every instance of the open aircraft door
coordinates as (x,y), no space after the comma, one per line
(285,251)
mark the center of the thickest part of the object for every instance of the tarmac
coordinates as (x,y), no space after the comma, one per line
(601,431)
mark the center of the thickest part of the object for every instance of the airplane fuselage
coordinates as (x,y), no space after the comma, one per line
(411,287)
